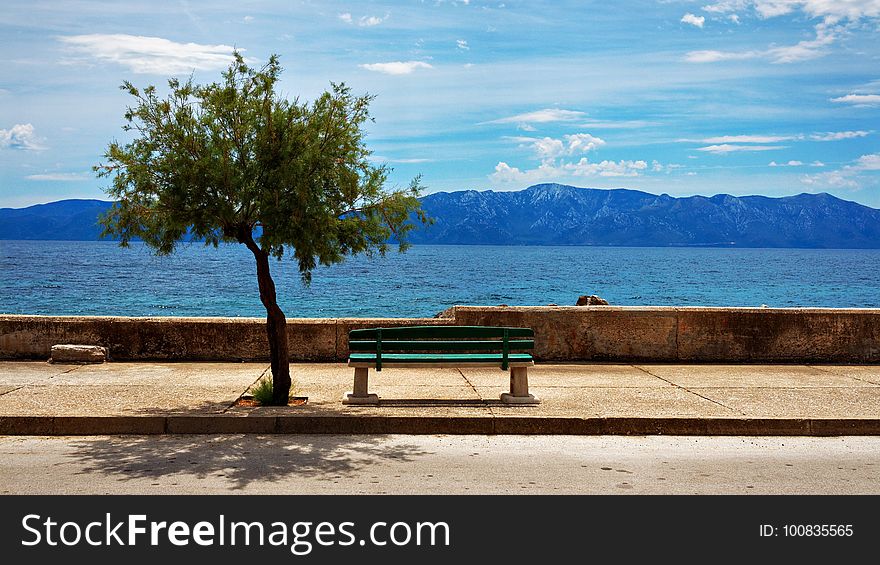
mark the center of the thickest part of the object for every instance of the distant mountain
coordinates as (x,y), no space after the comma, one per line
(555,214)
(62,220)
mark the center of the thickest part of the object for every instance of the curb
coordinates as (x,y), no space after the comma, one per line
(416,425)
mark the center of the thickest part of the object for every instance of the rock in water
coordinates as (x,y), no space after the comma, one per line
(591,300)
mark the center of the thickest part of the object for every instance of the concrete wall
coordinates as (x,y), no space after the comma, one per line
(197,339)
(563,333)
(620,333)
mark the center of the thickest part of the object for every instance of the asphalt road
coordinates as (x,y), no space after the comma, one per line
(327,464)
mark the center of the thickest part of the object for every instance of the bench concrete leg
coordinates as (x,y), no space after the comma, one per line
(360,395)
(519,388)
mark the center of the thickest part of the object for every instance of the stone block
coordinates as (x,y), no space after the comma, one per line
(68,353)
(529,399)
(25,425)
(107,425)
(350,398)
(221,424)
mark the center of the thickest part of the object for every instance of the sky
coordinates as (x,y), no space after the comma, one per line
(771,97)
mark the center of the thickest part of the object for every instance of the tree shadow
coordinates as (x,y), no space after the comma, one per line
(241,458)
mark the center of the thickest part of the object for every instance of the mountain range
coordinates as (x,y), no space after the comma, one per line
(555,214)
(63,220)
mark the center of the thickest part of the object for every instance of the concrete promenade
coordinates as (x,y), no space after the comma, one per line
(38,398)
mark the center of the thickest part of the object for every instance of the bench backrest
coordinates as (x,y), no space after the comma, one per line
(441,338)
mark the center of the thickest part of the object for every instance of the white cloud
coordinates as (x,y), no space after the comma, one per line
(153,55)
(583,168)
(546,115)
(712,56)
(725,6)
(868,162)
(838,135)
(817,164)
(693,20)
(859,99)
(247,19)
(554,165)
(838,17)
(773,8)
(803,51)
(765,9)
(61,177)
(789,164)
(582,142)
(851,9)
(363,21)
(623,124)
(462,44)
(20,136)
(370,21)
(726,140)
(505,174)
(734,18)
(850,176)
(396,67)
(749,139)
(729,148)
(549,149)
(831,179)
(383,159)
(826,34)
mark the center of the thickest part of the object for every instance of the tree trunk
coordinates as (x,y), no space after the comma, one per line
(276,323)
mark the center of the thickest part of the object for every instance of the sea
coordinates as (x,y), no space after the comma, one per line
(101,278)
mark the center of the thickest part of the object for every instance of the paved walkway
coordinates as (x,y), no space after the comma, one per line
(329,464)
(37,398)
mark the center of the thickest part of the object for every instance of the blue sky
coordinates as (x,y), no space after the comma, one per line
(772,97)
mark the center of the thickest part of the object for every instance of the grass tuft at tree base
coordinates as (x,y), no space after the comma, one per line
(262,391)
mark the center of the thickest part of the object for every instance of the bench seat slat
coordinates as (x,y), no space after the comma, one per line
(423,365)
(447,358)
(439,332)
(440,345)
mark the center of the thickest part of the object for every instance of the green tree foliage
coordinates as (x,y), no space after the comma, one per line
(236,162)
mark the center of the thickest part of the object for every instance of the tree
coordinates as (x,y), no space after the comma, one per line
(236,162)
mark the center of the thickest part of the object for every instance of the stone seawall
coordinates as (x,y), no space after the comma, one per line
(562,333)
(683,334)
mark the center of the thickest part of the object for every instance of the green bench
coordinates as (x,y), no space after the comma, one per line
(441,346)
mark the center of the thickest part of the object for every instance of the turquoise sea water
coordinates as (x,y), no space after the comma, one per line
(99,278)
